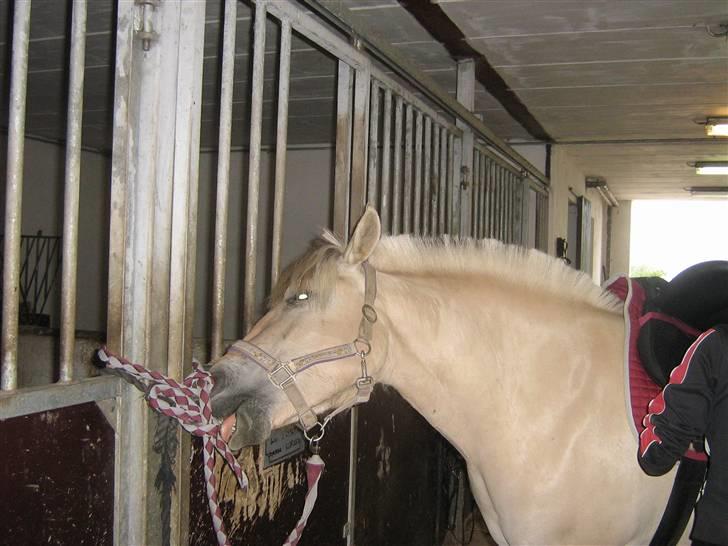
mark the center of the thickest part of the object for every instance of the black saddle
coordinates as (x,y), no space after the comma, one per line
(697,297)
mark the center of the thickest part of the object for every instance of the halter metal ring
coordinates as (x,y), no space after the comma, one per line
(367,346)
(315,437)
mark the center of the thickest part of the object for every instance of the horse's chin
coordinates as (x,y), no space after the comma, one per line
(252,425)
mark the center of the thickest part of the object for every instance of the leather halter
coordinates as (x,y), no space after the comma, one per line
(283,373)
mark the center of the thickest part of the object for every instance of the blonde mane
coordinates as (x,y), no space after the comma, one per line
(401,254)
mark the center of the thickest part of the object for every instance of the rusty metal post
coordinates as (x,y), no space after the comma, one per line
(14,194)
(284,72)
(72,189)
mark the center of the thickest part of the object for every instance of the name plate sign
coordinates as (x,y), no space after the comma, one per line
(283,444)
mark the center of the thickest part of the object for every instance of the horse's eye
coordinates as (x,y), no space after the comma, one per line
(298,298)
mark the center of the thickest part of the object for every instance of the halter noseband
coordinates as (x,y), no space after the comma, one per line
(283,373)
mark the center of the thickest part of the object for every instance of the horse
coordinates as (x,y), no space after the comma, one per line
(515,358)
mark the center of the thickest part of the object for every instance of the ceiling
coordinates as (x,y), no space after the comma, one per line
(620,83)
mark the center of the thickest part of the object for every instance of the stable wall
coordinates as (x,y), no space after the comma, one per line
(567,176)
(621,225)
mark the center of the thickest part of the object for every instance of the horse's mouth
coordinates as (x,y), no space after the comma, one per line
(249,425)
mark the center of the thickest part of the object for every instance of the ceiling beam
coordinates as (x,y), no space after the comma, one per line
(436,22)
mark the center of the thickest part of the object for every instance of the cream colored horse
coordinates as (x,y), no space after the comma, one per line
(515,358)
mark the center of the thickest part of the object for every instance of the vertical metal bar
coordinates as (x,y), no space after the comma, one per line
(342,170)
(284,72)
(397,174)
(453,185)
(486,196)
(501,205)
(483,176)
(417,216)
(475,224)
(386,163)
(373,169)
(492,192)
(256,119)
(427,177)
(435,197)
(223,176)
(359,143)
(444,177)
(72,190)
(408,143)
(14,194)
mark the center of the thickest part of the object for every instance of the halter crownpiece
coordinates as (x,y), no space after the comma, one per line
(283,373)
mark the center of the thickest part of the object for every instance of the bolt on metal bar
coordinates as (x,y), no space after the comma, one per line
(72,189)
(284,72)
(408,143)
(417,206)
(256,119)
(373,146)
(14,194)
(397,173)
(342,168)
(427,180)
(227,78)
(386,161)
(435,195)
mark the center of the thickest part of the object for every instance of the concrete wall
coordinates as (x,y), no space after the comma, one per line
(621,225)
(568,176)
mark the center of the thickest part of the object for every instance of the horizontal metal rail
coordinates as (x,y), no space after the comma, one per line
(58,395)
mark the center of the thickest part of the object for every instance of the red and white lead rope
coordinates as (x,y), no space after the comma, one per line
(189,404)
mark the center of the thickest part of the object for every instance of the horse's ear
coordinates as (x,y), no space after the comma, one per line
(365,237)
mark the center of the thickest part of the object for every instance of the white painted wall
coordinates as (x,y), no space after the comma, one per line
(535,153)
(621,226)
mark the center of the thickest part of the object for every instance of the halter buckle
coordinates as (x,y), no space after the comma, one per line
(288,375)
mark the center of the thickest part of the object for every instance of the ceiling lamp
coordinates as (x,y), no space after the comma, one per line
(711,167)
(716,126)
(716,191)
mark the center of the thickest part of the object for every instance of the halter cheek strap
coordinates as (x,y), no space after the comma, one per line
(283,373)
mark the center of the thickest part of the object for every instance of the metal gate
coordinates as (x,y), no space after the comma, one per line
(400,144)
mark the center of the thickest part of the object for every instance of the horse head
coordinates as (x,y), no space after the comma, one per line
(310,341)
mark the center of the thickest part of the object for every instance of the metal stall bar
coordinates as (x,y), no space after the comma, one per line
(256,120)
(483,190)
(342,169)
(502,208)
(373,169)
(474,203)
(417,205)
(408,143)
(14,194)
(444,179)
(223,176)
(453,185)
(284,72)
(397,173)
(359,141)
(427,181)
(435,183)
(385,212)
(72,190)
(488,165)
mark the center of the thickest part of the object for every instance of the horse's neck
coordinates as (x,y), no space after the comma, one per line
(459,350)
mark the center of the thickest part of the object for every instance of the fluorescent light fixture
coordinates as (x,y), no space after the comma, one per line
(717,191)
(716,126)
(711,167)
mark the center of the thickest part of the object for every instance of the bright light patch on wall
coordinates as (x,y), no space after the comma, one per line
(711,167)
(716,127)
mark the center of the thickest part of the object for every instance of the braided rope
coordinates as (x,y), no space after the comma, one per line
(189,404)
